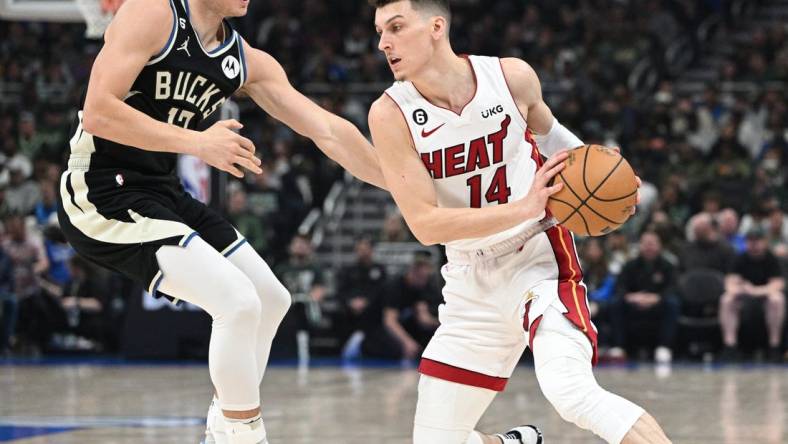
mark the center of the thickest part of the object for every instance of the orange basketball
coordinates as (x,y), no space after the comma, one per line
(600,190)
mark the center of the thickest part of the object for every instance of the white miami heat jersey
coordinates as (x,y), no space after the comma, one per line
(480,157)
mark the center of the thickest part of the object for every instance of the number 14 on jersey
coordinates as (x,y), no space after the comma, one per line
(497,192)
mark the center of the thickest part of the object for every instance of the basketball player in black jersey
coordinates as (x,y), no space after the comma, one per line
(165,66)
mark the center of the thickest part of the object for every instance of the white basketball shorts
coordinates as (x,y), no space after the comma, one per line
(494,299)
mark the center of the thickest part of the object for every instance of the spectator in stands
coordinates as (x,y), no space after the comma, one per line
(8,303)
(645,297)
(728,222)
(711,114)
(266,203)
(59,253)
(711,202)
(754,277)
(600,283)
(22,194)
(409,318)
(28,257)
(300,274)
(30,141)
(618,251)
(4,210)
(255,228)
(306,282)
(29,263)
(771,168)
(395,229)
(674,204)
(54,131)
(82,304)
(728,145)
(45,210)
(777,232)
(670,236)
(706,249)
(54,83)
(358,289)
(758,216)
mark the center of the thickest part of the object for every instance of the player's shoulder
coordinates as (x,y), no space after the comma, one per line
(517,69)
(384,109)
(522,80)
(386,117)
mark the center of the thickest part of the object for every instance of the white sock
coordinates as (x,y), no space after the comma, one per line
(215,424)
(245,431)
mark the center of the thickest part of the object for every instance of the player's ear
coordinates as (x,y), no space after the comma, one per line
(439,27)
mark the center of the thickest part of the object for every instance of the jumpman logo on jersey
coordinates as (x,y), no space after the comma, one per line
(185,46)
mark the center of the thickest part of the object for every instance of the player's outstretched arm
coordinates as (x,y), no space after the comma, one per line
(523,82)
(414,192)
(339,139)
(139,31)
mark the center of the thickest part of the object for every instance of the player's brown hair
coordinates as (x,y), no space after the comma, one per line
(438,5)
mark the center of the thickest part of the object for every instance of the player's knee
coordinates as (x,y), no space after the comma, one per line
(573,394)
(242,304)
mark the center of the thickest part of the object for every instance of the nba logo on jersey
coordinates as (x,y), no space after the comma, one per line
(119,180)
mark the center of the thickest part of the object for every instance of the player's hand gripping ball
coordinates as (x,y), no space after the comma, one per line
(599,194)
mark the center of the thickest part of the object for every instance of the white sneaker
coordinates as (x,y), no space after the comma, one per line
(527,434)
(252,432)
(663,355)
(214,425)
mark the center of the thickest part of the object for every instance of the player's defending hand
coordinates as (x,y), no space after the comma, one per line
(536,199)
(221,147)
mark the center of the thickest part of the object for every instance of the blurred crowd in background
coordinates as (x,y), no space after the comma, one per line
(706,252)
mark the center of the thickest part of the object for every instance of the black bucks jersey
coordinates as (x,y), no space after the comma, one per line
(119,204)
(182,85)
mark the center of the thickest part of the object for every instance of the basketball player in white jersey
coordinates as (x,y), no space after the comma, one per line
(457,142)
(165,66)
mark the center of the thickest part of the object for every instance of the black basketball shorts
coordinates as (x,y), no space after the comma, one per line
(119,220)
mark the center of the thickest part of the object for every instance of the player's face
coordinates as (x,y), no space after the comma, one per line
(405,38)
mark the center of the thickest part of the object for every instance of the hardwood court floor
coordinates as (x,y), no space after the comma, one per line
(87,404)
